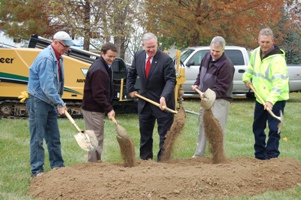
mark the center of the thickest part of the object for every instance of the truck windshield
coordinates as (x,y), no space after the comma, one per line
(185,54)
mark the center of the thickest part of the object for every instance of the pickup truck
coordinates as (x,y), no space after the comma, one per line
(191,59)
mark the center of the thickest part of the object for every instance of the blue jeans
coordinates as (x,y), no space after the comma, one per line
(270,149)
(43,123)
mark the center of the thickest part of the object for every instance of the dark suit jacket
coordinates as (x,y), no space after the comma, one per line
(160,82)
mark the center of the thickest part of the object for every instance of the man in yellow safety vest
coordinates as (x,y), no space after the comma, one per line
(267,71)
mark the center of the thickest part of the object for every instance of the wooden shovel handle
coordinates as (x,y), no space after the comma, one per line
(72,120)
(155,103)
(263,102)
(198,91)
(114,120)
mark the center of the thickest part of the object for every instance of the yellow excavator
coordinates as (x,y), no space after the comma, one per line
(14,69)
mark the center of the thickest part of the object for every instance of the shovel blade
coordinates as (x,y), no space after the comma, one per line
(208,100)
(87,140)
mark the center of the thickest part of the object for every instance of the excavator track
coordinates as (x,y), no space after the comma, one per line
(14,109)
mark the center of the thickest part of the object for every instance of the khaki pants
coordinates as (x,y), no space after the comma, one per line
(95,121)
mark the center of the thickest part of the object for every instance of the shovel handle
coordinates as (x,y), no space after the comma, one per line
(198,91)
(72,120)
(263,102)
(155,103)
(114,120)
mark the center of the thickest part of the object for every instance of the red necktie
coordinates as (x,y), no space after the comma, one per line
(147,67)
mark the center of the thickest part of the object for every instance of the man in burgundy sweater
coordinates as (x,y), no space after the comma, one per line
(216,72)
(98,95)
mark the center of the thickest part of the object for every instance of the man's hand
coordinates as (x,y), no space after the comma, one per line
(162,103)
(247,84)
(111,114)
(61,110)
(268,105)
(132,94)
(194,87)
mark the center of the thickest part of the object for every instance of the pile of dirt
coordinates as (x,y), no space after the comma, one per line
(175,179)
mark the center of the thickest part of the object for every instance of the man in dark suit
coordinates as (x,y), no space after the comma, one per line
(157,78)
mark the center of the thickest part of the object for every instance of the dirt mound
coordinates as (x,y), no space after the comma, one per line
(176,179)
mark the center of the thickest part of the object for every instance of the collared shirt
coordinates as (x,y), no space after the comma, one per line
(151,59)
(58,57)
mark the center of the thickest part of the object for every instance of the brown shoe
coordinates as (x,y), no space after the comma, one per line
(38,174)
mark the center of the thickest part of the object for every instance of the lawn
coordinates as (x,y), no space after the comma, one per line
(14,143)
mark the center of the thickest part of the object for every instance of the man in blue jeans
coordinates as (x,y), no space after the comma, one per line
(45,88)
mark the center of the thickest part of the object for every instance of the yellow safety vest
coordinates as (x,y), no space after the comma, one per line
(268,76)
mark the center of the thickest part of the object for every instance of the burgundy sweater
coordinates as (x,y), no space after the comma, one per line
(98,89)
(216,75)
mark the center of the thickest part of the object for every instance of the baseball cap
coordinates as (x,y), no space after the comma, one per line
(65,37)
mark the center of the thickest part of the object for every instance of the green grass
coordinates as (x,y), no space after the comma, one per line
(14,144)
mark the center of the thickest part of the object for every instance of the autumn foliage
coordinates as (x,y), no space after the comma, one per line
(195,22)
(20,19)
(180,22)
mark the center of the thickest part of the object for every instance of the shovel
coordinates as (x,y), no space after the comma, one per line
(86,139)
(126,145)
(208,99)
(281,119)
(155,103)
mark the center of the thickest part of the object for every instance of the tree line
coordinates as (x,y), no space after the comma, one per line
(180,23)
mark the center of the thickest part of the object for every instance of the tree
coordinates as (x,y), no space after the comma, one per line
(94,20)
(122,18)
(196,22)
(101,20)
(20,18)
(75,16)
(290,27)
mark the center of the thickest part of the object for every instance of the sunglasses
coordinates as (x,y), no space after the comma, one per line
(66,46)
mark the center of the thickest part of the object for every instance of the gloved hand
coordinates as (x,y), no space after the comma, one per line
(24,95)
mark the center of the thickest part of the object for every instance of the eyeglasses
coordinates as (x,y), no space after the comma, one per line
(66,46)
